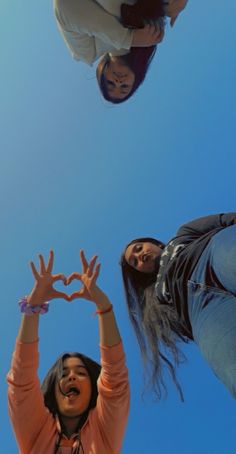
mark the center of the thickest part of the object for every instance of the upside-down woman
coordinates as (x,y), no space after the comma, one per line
(123,35)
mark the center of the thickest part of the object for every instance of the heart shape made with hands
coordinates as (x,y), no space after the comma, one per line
(45,280)
(82,292)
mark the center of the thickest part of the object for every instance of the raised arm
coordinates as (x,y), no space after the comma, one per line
(28,413)
(42,292)
(112,409)
(109,333)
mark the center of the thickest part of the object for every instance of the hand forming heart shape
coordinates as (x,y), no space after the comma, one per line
(43,289)
(67,281)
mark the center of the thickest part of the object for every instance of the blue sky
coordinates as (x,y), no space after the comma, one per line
(76,172)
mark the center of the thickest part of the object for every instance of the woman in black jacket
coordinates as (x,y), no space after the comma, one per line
(185,290)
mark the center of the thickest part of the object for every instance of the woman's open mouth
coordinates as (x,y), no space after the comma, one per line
(73,391)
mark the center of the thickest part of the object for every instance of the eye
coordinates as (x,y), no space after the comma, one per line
(110,83)
(138,247)
(82,374)
(63,375)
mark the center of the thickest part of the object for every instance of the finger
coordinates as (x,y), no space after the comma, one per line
(59,277)
(154,36)
(157,33)
(75,295)
(96,273)
(50,262)
(57,294)
(173,20)
(152,30)
(83,261)
(161,36)
(73,276)
(91,266)
(42,264)
(34,271)
(157,28)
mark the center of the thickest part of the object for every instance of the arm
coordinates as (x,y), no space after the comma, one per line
(149,35)
(26,404)
(109,333)
(90,31)
(87,28)
(113,402)
(205,224)
(112,409)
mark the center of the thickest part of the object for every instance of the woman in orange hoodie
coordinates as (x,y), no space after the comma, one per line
(82,407)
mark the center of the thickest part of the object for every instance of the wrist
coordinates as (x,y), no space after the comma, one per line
(103,305)
(136,38)
(104,311)
(29,309)
(34,301)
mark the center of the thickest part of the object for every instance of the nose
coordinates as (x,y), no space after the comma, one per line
(139,257)
(72,376)
(118,80)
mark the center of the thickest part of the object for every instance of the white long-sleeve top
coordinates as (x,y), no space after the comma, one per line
(91,28)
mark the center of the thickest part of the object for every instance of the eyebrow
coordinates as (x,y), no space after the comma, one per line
(77,365)
(121,92)
(124,91)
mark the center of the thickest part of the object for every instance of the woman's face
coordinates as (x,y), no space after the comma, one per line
(142,256)
(119,78)
(73,391)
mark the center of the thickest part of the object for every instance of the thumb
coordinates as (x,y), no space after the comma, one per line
(57,294)
(76,295)
(172,20)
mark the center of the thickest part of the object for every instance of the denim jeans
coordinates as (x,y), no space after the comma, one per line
(212,305)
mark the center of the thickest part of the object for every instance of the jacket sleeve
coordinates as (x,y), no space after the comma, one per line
(205,224)
(27,411)
(114,397)
(89,31)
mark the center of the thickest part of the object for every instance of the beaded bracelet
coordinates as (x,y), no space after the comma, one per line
(27,309)
(101,312)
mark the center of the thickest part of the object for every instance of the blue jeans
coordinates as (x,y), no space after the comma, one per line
(212,305)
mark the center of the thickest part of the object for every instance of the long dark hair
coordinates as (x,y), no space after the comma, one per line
(54,375)
(156,325)
(139,58)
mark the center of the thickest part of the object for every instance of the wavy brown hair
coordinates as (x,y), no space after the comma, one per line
(139,58)
(156,325)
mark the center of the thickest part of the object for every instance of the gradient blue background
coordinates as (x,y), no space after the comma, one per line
(76,172)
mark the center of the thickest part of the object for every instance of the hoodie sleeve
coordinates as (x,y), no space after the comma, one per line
(114,398)
(28,414)
(89,31)
(205,224)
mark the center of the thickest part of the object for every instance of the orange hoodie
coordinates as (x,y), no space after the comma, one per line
(34,426)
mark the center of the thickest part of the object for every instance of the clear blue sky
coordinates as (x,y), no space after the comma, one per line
(76,172)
